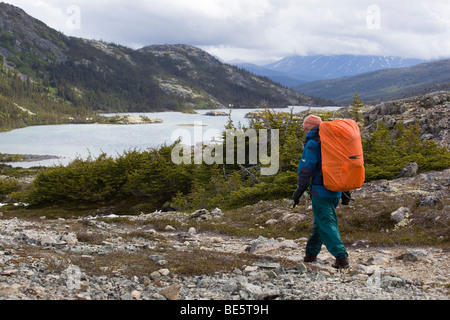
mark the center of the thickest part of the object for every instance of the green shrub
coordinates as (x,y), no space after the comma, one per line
(156,178)
(386,153)
(8,186)
(82,180)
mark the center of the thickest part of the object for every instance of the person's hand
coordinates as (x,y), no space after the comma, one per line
(296,196)
(346,198)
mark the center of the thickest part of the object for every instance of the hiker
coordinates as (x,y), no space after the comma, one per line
(324,202)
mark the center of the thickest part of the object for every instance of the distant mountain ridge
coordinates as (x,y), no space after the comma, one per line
(339,66)
(286,79)
(383,85)
(296,70)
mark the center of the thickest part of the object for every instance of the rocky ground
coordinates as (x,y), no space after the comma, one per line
(35,263)
(136,258)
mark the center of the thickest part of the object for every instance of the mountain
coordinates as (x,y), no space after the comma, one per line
(385,84)
(109,77)
(284,78)
(296,70)
(338,66)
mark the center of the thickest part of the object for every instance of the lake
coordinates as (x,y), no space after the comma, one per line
(71,141)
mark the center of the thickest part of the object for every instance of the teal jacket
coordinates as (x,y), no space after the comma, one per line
(310,168)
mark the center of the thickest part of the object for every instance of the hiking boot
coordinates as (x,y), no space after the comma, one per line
(309,259)
(341,263)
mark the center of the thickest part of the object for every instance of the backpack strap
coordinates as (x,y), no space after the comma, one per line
(318,170)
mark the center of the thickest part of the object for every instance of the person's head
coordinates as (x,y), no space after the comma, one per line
(311,122)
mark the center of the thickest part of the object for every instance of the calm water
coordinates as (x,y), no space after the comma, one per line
(83,140)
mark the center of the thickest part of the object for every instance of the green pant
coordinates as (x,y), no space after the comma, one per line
(325,229)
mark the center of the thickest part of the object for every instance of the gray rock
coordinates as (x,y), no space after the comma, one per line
(155,257)
(48,240)
(184,236)
(414,255)
(99,224)
(389,281)
(70,238)
(400,214)
(429,201)
(267,265)
(171,292)
(263,244)
(217,212)
(410,170)
(385,187)
(199,213)
(361,243)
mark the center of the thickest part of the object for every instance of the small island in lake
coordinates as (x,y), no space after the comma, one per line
(10,158)
(216,114)
(129,120)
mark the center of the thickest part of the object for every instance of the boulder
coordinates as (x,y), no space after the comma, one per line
(172,292)
(199,213)
(400,214)
(429,201)
(410,170)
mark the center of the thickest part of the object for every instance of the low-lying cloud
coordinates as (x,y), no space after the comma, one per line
(258,30)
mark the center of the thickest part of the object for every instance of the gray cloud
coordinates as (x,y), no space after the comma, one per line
(260,30)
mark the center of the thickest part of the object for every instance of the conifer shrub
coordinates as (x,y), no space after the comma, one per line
(155,178)
(386,152)
(148,176)
(88,180)
(8,186)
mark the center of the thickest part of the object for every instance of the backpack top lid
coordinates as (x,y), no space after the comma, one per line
(342,155)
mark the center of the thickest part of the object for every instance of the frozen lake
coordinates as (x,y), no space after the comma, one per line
(68,142)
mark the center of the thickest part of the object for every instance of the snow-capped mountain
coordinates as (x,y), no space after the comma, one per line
(338,66)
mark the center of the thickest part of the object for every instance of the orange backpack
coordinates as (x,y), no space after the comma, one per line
(342,155)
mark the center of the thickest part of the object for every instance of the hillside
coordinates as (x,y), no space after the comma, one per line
(383,85)
(95,75)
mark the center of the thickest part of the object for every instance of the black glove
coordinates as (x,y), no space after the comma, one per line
(296,196)
(346,198)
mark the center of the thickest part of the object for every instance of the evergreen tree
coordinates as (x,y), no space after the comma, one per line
(357,105)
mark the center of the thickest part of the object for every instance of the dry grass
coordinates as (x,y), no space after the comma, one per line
(182,263)
(128,263)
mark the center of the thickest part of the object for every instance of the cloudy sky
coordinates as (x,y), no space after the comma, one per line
(258,31)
